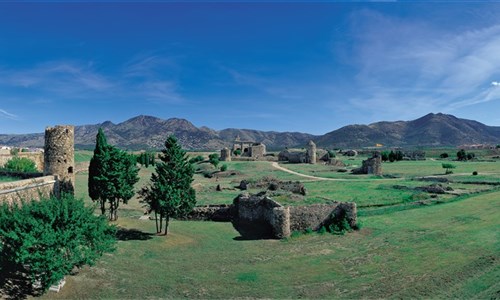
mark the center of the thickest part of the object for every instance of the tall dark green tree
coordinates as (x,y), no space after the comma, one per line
(96,170)
(170,194)
(112,175)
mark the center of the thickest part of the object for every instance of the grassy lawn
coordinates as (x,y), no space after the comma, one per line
(444,251)
(440,251)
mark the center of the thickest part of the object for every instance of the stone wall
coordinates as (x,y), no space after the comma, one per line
(217,213)
(37,157)
(257,216)
(257,151)
(28,189)
(225,154)
(372,165)
(316,215)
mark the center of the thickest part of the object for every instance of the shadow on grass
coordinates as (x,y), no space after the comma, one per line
(124,234)
(14,284)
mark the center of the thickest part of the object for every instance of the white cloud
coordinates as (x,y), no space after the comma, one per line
(5,114)
(409,68)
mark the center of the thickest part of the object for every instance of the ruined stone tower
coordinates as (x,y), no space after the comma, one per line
(60,156)
(225,154)
(311,153)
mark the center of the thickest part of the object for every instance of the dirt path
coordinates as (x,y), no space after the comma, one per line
(313,178)
(277,166)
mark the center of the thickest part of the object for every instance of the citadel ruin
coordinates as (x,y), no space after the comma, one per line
(58,169)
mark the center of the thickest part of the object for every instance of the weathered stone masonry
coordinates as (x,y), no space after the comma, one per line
(58,169)
(258,216)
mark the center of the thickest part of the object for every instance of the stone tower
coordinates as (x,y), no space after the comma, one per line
(311,153)
(225,154)
(60,156)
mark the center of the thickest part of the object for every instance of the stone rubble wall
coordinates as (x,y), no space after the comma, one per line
(258,216)
(28,189)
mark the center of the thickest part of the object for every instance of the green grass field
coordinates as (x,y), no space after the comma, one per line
(449,250)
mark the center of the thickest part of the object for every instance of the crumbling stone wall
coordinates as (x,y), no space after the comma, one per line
(317,215)
(258,216)
(60,155)
(372,165)
(28,189)
(257,150)
(36,157)
(225,154)
(218,213)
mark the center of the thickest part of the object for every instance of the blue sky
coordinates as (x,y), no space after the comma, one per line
(283,66)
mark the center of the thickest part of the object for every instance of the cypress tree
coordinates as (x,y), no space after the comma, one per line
(112,175)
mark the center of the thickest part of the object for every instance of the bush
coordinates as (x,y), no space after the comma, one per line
(214,159)
(474,173)
(444,155)
(196,159)
(331,154)
(223,168)
(45,239)
(21,164)
(237,152)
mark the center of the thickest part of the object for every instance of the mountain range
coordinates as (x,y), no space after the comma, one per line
(147,132)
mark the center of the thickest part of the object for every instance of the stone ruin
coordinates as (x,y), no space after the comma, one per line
(273,184)
(311,153)
(372,165)
(225,154)
(58,172)
(258,216)
(250,149)
(59,156)
(301,157)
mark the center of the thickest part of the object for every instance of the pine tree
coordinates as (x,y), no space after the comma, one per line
(170,194)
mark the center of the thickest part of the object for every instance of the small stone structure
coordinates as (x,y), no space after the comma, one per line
(293,157)
(311,153)
(60,155)
(225,154)
(302,157)
(249,149)
(258,216)
(372,165)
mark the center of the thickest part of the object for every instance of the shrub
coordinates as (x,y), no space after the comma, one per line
(237,152)
(21,164)
(338,225)
(461,155)
(322,230)
(331,154)
(470,156)
(474,173)
(444,155)
(214,159)
(498,146)
(45,239)
(196,159)
(223,168)
(308,231)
